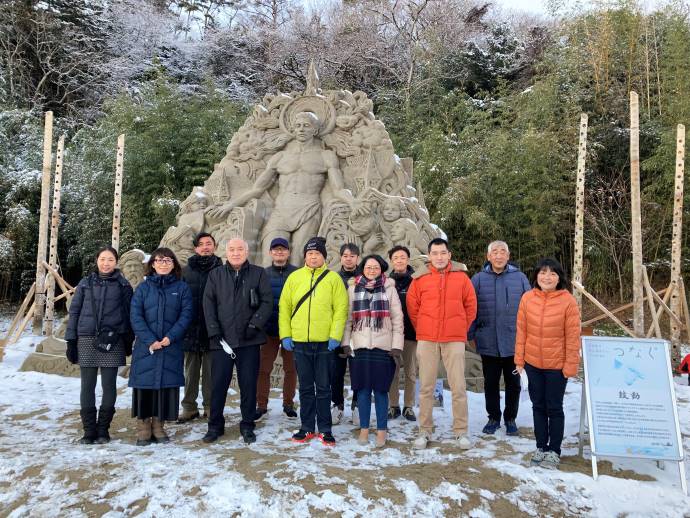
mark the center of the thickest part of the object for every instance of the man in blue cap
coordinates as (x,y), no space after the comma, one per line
(277,274)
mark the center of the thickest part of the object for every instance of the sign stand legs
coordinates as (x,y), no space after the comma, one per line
(583,418)
(683,481)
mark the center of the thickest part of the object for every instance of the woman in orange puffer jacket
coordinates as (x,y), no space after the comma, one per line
(547,347)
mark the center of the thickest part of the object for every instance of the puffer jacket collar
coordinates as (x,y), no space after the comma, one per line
(161,280)
(510,268)
(545,296)
(428,268)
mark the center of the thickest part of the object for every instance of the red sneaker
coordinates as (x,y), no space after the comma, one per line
(327,439)
(303,436)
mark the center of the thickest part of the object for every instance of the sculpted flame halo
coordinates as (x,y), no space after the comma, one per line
(319,106)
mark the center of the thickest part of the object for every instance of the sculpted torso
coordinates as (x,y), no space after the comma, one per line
(302,171)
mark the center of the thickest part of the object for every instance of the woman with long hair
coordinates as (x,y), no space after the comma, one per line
(161,312)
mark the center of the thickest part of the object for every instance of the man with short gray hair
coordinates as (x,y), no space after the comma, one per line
(237,304)
(499,287)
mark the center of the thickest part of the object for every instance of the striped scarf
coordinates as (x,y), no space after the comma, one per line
(370,307)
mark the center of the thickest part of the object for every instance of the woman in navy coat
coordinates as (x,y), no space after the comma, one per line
(160,313)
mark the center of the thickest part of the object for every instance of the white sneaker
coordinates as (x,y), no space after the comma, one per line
(421,442)
(336,415)
(551,460)
(355,417)
(463,442)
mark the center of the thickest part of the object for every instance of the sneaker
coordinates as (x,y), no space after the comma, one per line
(408,414)
(303,436)
(551,460)
(211,436)
(394,412)
(463,442)
(512,429)
(336,414)
(355,417)
(327,439)
(259,413)
(290,411)
(422,441)
(491,427)
(248,436)
(185,417)
(537,457)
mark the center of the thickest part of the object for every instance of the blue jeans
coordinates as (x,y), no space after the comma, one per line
(380,404)
(314,364)
(546,390)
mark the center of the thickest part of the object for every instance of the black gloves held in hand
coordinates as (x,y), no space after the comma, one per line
(346,351)
(72,352)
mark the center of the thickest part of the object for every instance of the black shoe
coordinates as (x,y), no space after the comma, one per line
(211,436)
(259,413)
(394,412)
(491,426)
(289,411)
(105,417)
(408,414)
(327,439)
(249,436)
(303,436)
(88,422)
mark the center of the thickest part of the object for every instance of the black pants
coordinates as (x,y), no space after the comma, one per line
(546,390)
(314,368)
(493,367)
(338,380)
(89,376)
(247,363)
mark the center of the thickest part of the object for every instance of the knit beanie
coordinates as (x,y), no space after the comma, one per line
(318,244)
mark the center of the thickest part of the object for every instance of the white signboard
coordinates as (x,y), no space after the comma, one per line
(631,402)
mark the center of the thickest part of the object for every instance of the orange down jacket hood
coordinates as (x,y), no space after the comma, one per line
(548,331)
(442,305)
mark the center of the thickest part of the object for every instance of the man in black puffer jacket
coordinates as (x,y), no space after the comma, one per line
(237,304)
(197,361)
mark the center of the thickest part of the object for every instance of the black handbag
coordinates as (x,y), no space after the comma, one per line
(106,339)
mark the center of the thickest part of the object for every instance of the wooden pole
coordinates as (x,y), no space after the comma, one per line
(580,207)
(52,248)
(677,241)
(118,191)
(603,309)
(64,285)
(20,314)
(652,309)
(43,224)
(619,310)
(659,311)
(638,281)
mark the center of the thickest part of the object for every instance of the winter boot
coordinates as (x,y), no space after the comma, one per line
(158,432)
(105,417)
(144,437)
(88,422)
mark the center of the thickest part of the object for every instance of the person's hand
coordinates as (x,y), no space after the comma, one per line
(287,343)
(155,346)
(222,211)
(519,369)
(333,344)
(567,373)
(165,342)
(72,352)
(396,354)
(251,332)
(214,342)
(346,351)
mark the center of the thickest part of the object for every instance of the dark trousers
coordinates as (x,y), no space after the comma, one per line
(493,367)
(89,376)
(338,380)
(546,390)
(314,368)
(247,363)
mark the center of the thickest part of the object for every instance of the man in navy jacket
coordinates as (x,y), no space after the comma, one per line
(499,287)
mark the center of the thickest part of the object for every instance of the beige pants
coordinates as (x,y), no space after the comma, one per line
(453,356)
(409,358)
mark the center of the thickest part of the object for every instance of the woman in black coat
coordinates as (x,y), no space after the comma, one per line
(98,337)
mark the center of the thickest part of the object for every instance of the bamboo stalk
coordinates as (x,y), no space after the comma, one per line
(117,199)
(52,248)
(67,294)
(580,207)
(43,223)
(602,308)
(677,242)
(638,281)
(20,314)
(618,310)
(652,309)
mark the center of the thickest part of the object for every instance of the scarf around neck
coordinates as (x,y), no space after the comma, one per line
(371,307)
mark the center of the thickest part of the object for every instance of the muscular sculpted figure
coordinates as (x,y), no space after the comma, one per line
(302,169)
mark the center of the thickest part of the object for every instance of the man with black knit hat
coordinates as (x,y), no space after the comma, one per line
(312,314)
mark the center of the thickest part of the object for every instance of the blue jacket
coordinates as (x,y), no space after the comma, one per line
(162,306)
(277,276)
(498,299)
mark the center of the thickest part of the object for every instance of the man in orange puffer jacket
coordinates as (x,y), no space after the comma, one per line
(442,305)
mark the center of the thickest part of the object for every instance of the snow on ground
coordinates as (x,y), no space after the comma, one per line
(43,472)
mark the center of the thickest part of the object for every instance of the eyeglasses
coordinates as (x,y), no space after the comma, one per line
(375,267)
(163,260)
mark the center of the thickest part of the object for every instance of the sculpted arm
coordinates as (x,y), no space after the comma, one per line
(335,178)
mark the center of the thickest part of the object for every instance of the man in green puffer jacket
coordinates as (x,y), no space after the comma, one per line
(311,319)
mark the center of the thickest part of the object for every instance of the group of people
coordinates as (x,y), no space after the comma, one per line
(192,325)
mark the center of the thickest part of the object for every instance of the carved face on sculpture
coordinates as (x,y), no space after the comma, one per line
(403,231)
(392,210)
(306,126)
(132,266)
(194,202)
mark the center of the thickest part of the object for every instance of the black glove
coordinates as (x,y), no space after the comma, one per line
(214,342)
(346,351)
(251,332)
(72,352)
(128,342)
(396,354)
